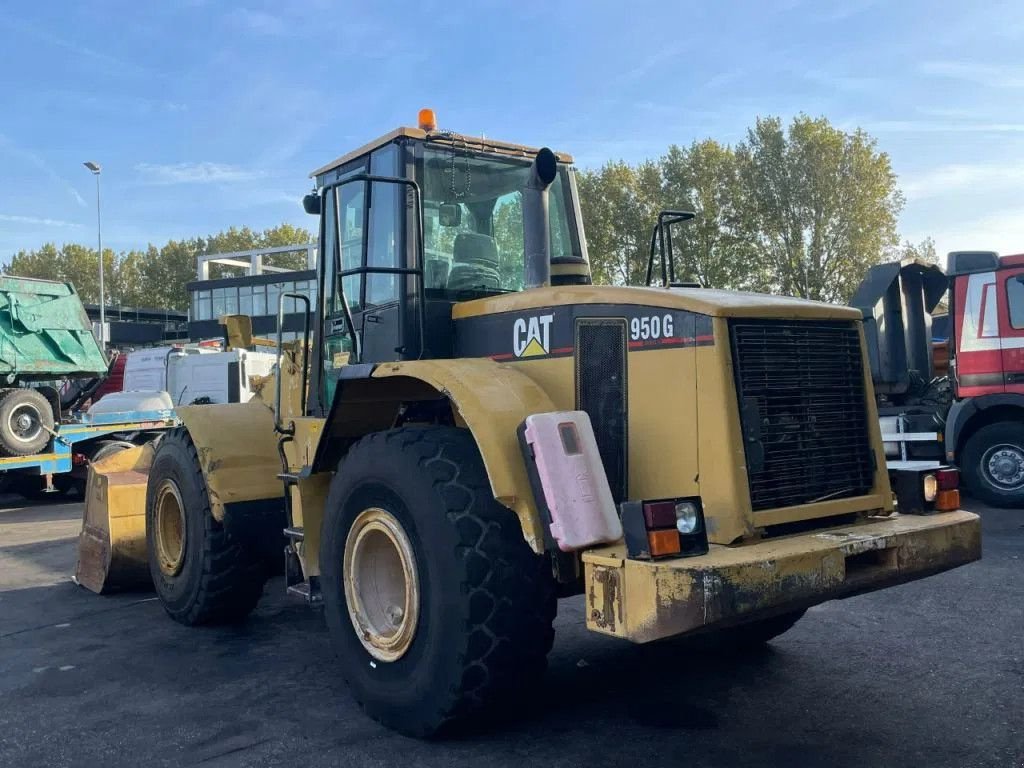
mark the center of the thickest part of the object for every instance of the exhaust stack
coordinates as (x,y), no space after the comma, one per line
(536,220)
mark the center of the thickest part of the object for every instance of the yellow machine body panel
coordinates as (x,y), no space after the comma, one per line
(644,601)
(491,400)
(237,450)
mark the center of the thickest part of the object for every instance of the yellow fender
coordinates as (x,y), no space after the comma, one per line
(237,449)
(491,399)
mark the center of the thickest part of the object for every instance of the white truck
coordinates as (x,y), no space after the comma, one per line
(191,374)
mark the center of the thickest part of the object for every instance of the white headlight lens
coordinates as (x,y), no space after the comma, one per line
(930,487)
(686,517)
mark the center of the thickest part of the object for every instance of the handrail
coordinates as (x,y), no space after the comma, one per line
(662,236)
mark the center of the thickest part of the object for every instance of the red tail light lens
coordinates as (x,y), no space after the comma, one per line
(948,479)
(660,514)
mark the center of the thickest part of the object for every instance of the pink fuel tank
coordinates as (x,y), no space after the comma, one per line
(566,465)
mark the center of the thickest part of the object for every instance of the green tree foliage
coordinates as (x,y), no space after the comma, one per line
(714,249)
(820,204)
(924,250)
(155,277)
(802,210)
(620,203)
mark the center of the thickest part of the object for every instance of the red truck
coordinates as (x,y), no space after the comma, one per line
(974,416)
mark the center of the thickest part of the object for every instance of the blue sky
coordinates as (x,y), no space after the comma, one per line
(211,114)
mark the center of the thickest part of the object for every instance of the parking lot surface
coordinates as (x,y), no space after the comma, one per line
(926,674)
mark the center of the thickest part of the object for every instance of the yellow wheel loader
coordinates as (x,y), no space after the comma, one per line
(471,430)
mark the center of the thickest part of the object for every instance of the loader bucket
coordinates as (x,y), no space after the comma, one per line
(112,545)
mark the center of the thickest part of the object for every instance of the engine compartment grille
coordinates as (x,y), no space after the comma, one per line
(601,392)
(803,411)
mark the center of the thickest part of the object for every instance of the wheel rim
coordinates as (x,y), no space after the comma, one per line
(25,422)
(170,528)
(1004,466)
(381,584)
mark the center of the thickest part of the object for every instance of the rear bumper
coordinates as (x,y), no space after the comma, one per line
(644,600)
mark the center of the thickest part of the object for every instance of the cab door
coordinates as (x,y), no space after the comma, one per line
(1011,327)
(979,362)
(342,237)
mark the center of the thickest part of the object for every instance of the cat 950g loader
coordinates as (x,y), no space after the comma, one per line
(473,430)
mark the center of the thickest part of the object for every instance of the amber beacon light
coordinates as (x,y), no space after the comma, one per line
(427,120)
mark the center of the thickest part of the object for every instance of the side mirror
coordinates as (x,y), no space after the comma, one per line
(450,214)
(311,204)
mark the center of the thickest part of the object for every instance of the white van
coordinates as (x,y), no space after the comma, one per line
(196,373)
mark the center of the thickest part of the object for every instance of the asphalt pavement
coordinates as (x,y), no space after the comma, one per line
(925,674)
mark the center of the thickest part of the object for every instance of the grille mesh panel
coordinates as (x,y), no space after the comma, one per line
(601,392)
(802,404)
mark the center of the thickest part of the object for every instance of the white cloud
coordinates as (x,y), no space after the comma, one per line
(34,221)
(993,75)
(960,178)
(194,173)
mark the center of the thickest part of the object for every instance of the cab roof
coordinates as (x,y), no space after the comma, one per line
(448,138)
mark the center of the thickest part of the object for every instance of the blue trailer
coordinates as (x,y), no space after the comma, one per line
(74,443)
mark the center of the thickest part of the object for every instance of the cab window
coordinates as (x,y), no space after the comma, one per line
(1015,300)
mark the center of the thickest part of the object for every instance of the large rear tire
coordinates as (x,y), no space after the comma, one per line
(437,608)
(993,464)
(201,575)
(26,422)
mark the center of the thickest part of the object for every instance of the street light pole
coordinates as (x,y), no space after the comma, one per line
(95,168)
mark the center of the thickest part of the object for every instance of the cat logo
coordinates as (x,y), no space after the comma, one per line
(531,337)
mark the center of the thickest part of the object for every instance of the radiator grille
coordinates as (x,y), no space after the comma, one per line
(803,410)
(601,392)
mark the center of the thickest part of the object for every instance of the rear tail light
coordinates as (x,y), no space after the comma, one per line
(925,491)
(669,527)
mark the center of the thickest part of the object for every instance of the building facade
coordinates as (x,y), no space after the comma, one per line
(256,292)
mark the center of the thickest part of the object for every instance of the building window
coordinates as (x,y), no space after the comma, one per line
(245,299)
(273,292)
(231,301)
(201,305)
(219,297)
(259,300)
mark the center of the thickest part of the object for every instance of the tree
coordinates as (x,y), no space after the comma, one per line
(820,204)
(70,263)
(924,250)
(156,277)
(620,204)
(714,249)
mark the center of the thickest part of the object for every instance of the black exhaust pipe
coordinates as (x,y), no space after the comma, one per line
(536,220)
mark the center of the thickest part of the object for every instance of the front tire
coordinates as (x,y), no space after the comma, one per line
(201,574)
(993,464)
(437,608)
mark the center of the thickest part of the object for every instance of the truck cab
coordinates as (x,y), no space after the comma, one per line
(985,424)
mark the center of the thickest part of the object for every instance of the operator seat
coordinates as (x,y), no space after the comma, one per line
(474,263)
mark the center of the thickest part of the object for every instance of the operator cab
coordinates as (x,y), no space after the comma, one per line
(387,292)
